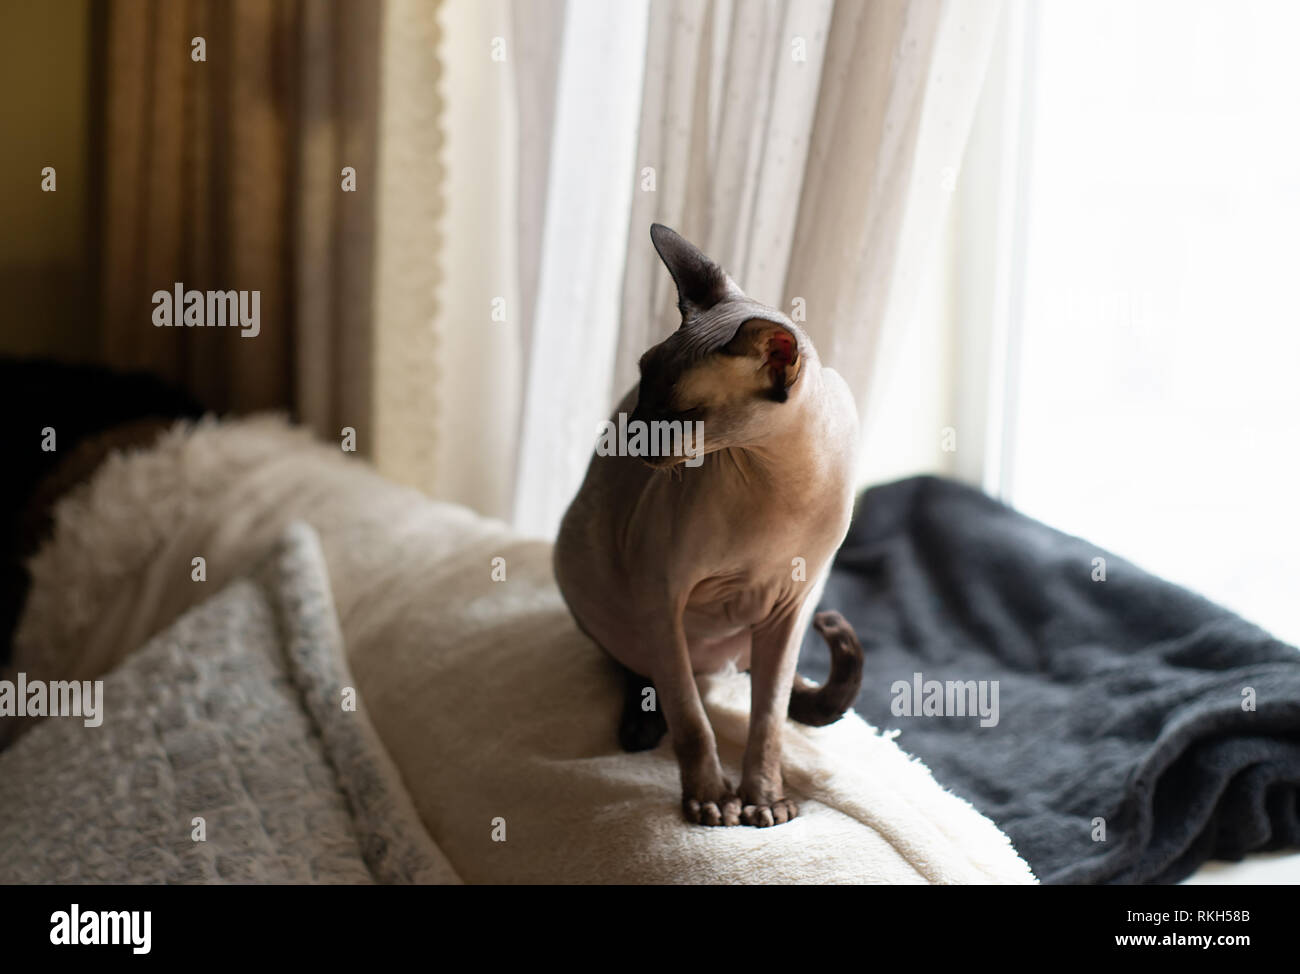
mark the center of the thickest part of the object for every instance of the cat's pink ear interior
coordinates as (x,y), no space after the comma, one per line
(778,348)
(781,360)
(782,349)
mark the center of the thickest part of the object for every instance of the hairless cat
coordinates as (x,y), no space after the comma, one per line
(680,565)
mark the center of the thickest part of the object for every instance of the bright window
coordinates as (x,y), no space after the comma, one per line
(1156,398)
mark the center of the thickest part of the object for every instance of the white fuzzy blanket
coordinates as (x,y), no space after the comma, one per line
(498,713)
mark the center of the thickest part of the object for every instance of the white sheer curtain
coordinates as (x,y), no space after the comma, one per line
(807,145)
(575,317)
(902,81)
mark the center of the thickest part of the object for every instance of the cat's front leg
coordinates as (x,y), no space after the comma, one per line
(707,797)
(772,666)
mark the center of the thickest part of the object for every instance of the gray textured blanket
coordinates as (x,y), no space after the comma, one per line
(228,752)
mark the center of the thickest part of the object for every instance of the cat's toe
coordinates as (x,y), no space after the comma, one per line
(724,812)
(765,816)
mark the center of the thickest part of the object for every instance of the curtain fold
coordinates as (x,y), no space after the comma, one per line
(410,258)
(589,188)
(225,174)
(459,408)
(338,102)
(902,83)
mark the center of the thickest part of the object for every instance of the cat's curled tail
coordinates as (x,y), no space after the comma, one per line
(818,706)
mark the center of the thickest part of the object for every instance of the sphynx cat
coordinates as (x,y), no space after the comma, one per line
(683,564)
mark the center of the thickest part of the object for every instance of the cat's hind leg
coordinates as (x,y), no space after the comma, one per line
(641,726)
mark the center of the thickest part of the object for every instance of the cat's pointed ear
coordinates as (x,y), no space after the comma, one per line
(700,282)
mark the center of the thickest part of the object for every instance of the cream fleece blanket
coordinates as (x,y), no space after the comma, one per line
(498,713)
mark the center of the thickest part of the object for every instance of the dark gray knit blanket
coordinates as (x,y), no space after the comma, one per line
(1140,729)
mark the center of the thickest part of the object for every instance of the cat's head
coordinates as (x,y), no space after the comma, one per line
(734,364)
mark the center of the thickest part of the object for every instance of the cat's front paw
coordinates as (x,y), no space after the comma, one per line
(717,809)
(767,814)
